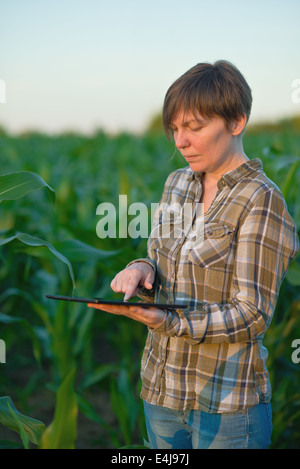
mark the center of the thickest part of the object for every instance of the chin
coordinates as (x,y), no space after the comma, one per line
(197,167)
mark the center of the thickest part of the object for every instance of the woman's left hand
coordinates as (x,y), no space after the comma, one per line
(151,317)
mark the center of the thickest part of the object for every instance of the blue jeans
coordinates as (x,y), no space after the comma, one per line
(195,429)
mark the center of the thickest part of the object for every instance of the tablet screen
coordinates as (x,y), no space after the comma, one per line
(116,302)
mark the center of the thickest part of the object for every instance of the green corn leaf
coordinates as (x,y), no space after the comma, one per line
(33,241)
(10,417)
(290,179)
(22,431)
(293,273)
(62,432)
(16,185)
(79,251)
(98,374)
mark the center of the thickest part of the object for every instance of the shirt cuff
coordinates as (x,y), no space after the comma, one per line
(176,324)
(169,326)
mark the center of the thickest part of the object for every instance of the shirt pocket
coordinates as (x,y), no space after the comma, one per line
(165,233)
(214,250)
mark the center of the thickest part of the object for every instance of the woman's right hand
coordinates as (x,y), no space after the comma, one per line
(128,280)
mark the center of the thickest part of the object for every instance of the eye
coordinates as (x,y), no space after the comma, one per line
(196,129)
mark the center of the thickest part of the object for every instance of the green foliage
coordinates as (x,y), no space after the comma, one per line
(16,185)
(61,433)
(33,241)
(50,187)
(29,428)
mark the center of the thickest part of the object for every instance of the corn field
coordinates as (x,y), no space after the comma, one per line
(70,374)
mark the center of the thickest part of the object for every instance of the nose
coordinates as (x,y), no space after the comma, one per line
(181,139)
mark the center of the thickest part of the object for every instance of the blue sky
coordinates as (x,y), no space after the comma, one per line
(87,64)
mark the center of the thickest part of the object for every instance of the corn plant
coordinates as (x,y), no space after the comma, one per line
(62,432)
(29,429)
(48,244)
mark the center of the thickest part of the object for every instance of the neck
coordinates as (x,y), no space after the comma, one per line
(229,164)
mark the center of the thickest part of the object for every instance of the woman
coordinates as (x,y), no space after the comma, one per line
(204,378)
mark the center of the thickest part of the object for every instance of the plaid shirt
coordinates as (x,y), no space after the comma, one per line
(228,271)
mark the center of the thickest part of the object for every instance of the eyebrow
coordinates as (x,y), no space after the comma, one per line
(191,121)
(194,121)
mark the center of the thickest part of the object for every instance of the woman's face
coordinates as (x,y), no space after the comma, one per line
(206,143)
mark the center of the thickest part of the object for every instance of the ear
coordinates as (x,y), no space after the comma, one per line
(238,125)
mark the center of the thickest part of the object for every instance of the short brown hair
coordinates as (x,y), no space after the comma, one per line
(217,89)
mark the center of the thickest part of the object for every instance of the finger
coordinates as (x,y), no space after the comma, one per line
(93,305)
(130,291)
(113,309)
(121,282)
(107,308)
(116,284)
(148,283)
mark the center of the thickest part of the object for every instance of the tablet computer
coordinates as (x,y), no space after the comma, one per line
(116,302)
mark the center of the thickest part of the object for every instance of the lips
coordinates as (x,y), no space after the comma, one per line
(190,157)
